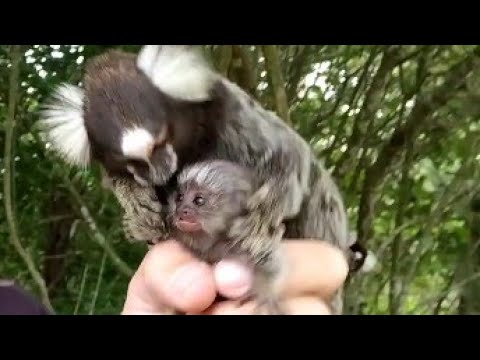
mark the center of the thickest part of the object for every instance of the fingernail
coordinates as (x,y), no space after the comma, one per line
(233,279)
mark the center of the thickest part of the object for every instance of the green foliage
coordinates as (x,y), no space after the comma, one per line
(348,102)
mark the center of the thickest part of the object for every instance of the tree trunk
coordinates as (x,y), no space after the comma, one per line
(277,82)
(58,241)
(469,301)
(8,190)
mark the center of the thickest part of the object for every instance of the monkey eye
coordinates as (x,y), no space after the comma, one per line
(179,197)
(199,201)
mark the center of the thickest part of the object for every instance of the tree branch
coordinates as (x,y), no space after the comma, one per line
(421,112)
(353,100)
(469,265)
(99,282)
(374,142)
(97,235)
(411,55)
(394,298)
(339,95)
(16,54)
(82,288)
(247,79)
(296,73)
(444,295)
(272,63)
(372,102)
(223,58)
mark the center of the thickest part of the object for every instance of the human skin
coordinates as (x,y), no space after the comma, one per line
(169,277)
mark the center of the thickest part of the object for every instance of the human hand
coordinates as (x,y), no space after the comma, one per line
(171,278)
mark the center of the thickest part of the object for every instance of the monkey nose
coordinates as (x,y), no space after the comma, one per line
(186,214)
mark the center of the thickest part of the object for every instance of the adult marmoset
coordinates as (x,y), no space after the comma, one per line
(146,117)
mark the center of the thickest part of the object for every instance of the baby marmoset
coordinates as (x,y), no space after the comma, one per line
(210,196)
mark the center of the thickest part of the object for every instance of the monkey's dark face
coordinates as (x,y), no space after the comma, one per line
(128,123)
(189,212)
(150,158)
(201,210)
(194,208)
(142,116)
(209,196)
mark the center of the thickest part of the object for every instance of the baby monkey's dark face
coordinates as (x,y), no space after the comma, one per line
(194,207)
(200,210)
(209,197)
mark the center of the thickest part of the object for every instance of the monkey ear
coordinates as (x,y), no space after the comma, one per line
(138,178)
(180,71)
(62,123)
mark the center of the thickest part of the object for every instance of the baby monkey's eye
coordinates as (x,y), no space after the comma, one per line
(179,197)
(199,201)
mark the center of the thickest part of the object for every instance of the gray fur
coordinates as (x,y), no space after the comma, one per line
(227,189)
(294,195)
(297,187)
(143,215)
(218,176)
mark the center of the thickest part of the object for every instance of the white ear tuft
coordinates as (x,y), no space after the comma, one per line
(63,124)
(178,70)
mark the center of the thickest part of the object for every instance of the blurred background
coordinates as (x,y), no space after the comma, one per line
(397,125)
